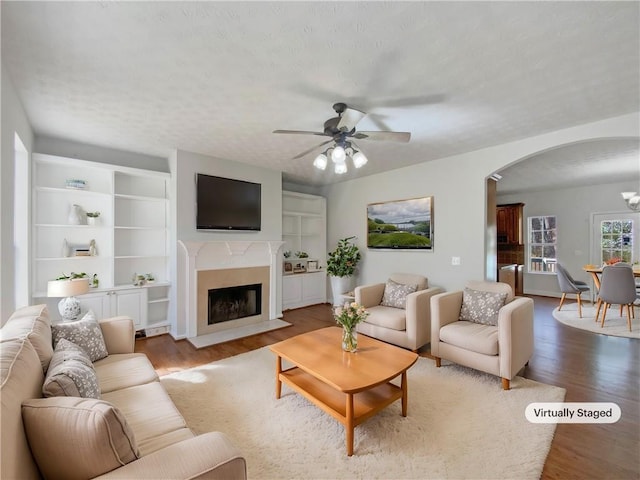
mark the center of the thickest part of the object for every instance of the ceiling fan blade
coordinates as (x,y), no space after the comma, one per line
(300,155)
(301,132)
(403,137)
(349,118)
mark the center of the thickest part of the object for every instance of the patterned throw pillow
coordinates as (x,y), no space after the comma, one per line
(85,333)
(481,307)
(395,294)
(71,373)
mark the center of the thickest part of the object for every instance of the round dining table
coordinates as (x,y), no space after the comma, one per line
(597,271)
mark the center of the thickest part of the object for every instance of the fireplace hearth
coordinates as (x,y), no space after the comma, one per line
(232,303)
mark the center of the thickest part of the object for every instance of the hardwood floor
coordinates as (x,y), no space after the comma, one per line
(591,367)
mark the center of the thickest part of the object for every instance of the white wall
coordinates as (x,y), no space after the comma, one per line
(184,166)
(458,186)
(14,120)
(573,208)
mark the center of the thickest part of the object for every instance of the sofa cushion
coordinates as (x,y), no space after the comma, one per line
(150,413)
(20,379)
(123,370)
(395,294)
(481,306)
(85,333)
(471,336)
(77,438)
(387,317)
(70,373)
(32,322)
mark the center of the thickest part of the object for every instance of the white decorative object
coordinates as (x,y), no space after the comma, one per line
(93,250)
(69,307)
(65,248)
(76,215)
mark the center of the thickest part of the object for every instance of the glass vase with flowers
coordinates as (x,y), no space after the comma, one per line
(348,316)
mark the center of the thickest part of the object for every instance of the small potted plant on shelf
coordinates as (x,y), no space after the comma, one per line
(92,218)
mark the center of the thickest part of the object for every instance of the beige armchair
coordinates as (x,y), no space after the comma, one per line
(408,323)
(502,350)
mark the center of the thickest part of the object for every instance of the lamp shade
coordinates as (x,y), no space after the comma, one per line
(67,288)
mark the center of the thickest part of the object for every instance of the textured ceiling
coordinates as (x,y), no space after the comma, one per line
(218,77)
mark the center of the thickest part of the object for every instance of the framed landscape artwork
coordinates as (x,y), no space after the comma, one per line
(401,224)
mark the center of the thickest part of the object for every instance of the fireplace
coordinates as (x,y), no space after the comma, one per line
(232,303)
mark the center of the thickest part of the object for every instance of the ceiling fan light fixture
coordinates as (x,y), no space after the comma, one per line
(359,159)
(338,155)
(320,162)
(340,168)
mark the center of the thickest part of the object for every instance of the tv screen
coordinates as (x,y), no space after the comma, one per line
(227,204)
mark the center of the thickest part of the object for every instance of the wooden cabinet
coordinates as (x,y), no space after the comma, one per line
(509,224)
(130,236)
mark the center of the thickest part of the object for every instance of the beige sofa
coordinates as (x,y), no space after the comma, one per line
(407,324)
(133,431)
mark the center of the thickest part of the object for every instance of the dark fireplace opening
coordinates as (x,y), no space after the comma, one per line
(232,303)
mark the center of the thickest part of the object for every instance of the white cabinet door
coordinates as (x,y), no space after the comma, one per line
(314,288)
(100,303)
(131,303)
(291,291)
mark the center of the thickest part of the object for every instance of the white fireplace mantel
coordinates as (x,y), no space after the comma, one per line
(219,255)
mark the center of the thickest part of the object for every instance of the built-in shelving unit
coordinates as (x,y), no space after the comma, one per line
(304,227)
(131,235)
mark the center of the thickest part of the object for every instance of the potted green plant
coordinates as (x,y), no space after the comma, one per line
(341,266)
(92,217)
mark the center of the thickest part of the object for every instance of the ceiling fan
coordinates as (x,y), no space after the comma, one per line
(342,130)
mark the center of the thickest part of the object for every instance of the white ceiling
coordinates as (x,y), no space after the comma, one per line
(218,77)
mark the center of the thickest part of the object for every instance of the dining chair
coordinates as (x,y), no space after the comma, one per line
(617,286)
(569,285)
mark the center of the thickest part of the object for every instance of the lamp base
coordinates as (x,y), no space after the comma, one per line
(69,309)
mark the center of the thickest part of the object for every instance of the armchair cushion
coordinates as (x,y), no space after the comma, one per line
(70,373)
(85,333)
(480,306)
(471,336)
(387,317)
(395,294)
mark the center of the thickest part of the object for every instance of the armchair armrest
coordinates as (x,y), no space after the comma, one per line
(515,335)
(119,334)
(418,310)
(445,309)
(207,456)
(369,295)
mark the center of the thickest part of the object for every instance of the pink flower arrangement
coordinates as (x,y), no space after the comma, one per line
(349,315)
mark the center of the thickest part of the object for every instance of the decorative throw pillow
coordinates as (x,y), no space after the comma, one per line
(71,373)
(481,307)
(85,333)
(77,437)
(395,294)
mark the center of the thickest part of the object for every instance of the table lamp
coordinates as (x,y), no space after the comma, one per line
(69,307)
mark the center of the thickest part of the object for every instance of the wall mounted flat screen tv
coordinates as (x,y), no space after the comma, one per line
(227,204)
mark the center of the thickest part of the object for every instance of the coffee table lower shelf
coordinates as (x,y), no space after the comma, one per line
(350,409)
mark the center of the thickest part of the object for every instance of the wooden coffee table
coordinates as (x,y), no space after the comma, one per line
(351,387)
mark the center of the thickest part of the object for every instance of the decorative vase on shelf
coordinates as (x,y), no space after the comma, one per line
(349,339)
(66,251)
(76,216)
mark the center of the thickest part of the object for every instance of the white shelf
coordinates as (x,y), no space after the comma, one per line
(131,234)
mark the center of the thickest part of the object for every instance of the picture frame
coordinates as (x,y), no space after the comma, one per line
(300,267)
(288,268)
(312,266)
(401,224)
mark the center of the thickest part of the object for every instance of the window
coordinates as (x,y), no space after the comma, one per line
(542,244)
(616,240)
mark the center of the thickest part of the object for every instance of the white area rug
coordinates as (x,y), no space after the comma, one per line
(460,424)
(614,324)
